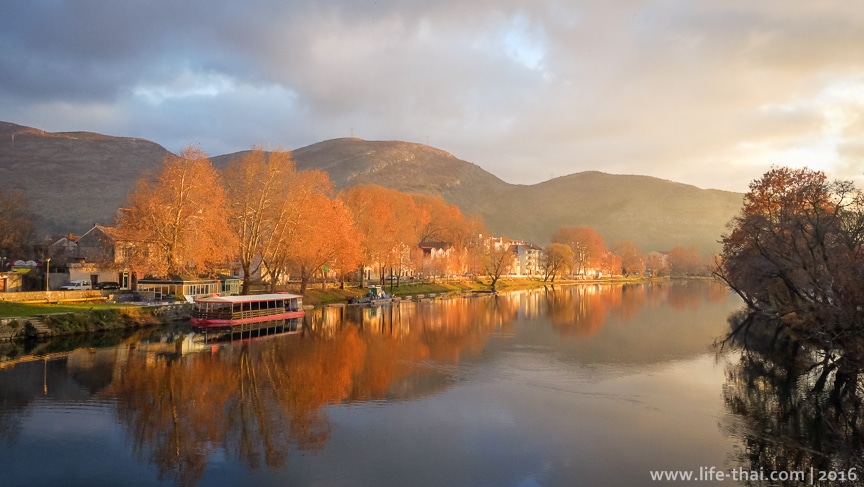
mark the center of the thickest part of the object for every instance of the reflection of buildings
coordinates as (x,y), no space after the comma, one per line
(530,302)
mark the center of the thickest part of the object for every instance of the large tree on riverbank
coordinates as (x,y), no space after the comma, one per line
(557,259)
(587,245)
(257,187)
(388,222)
(178,218)
(291,214)
(795,253)
(325,238)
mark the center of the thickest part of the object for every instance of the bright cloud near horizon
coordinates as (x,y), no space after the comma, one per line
(710,93)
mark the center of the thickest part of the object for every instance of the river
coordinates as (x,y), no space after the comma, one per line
(576,385)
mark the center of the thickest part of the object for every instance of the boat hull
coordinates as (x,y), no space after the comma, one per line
(229,323)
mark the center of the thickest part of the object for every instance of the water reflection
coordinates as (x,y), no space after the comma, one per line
(796,407)
(186,405)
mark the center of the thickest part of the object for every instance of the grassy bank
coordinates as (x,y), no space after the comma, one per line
(22,321)
(31,320)
(315,296)
(28,310)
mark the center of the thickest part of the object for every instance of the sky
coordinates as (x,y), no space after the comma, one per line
(711,93)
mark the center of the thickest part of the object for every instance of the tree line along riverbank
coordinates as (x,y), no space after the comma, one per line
(22,321)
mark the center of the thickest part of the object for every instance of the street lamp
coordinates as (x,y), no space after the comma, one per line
(47,272)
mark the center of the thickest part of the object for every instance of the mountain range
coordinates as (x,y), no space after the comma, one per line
(76,179)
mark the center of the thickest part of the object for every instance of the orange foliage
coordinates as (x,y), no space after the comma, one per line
(325,235)
(582,310)
(632,261)
(388,221)
(587,245)
(445,222)
(685,262)
(178,220)
(289,217)
(256,185)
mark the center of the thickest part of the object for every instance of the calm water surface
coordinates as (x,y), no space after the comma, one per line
(580,385)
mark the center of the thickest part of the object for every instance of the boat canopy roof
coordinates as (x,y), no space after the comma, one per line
(251,298)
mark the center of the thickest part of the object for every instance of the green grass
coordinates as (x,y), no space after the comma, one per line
(25,310)
(317,297)
(434,287)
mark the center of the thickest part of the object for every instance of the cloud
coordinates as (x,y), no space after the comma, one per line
(709,93)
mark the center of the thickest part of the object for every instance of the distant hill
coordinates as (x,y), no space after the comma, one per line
(77,179)
(73,179)
(654,213)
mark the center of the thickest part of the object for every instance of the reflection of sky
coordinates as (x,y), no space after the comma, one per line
(520,420)
(523,423)
(72,444)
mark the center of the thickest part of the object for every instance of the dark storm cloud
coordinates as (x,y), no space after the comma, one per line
(709,93)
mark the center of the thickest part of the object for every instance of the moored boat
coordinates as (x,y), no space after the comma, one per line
(374,295)
(230,311)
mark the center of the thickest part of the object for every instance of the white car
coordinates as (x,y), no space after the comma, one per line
(78,285)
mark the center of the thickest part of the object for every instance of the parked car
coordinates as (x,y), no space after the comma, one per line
(108,285)
(77,285)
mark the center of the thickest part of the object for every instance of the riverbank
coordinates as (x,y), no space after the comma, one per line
(45,321)
(315,296)
(35,319)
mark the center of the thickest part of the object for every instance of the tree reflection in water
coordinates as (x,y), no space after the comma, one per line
(256,402)
(795,405)
(583,311)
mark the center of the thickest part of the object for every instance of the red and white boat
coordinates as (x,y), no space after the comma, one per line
(230,311)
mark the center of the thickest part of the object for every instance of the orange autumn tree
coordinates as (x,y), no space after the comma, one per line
(632,261)
(447,223)
(588,246)
(325,237)
(177,220)
(388,221)
(686,262)
(287,218)
(257,185)
(409,219)
(610,264)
